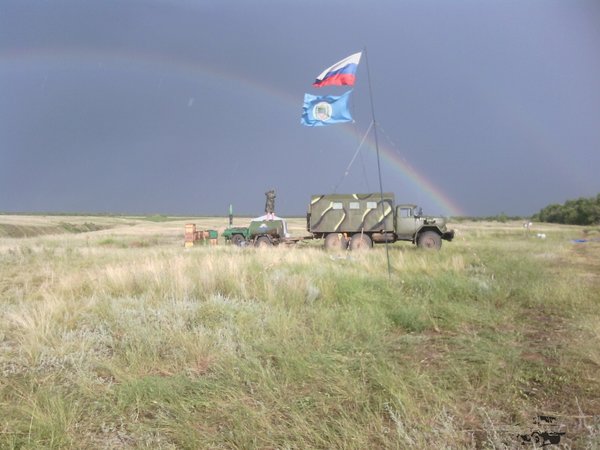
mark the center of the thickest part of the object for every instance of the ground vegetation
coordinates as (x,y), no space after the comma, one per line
(119,337)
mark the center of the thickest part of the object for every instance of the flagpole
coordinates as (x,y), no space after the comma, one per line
(387,251)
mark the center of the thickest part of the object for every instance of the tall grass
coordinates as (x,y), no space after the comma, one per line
(155,346)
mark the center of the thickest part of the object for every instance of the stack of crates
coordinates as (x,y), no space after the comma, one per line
(205,237)
(190,234)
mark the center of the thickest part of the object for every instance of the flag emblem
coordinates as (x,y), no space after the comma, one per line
(322,111)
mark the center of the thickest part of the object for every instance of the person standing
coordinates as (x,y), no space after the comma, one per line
(270,204)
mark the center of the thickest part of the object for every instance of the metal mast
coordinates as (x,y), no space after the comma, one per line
(387,251)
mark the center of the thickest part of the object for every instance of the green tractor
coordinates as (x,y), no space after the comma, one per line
(236,235)
(260,233)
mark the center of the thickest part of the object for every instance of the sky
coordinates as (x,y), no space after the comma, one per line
(182,107)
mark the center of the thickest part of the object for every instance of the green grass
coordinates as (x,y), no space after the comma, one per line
(105,343)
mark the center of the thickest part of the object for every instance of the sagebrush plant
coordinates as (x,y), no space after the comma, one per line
(121,338)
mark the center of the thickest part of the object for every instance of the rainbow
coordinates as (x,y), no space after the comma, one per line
(394,159)
(191,69)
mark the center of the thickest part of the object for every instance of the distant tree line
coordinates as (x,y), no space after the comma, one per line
(502,217)
(583,211)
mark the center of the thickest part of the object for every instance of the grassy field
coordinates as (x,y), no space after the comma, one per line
(115,336)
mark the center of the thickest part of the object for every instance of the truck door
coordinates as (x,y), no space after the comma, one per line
(405,222)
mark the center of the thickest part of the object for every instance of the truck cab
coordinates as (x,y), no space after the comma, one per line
(425,231)
(406,222)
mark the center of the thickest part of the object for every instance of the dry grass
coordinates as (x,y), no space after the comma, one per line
(121,338)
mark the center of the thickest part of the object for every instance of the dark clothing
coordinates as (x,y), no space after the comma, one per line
(270,204)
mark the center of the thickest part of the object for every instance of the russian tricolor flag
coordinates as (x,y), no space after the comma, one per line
(341,73)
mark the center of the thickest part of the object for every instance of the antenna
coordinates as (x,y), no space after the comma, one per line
(387,251)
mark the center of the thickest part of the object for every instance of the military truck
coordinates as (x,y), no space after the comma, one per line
(359,220)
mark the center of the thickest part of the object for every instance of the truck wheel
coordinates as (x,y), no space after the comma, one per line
(237,239)
(263,242)
(335,242)
(360,242)
(429,240)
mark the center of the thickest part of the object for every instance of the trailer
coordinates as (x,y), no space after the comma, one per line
(262,232)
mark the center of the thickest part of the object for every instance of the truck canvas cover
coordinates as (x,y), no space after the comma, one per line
(351,213)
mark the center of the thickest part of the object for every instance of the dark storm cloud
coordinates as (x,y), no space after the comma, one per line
(185,107)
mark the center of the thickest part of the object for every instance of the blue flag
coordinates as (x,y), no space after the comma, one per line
(320,110)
